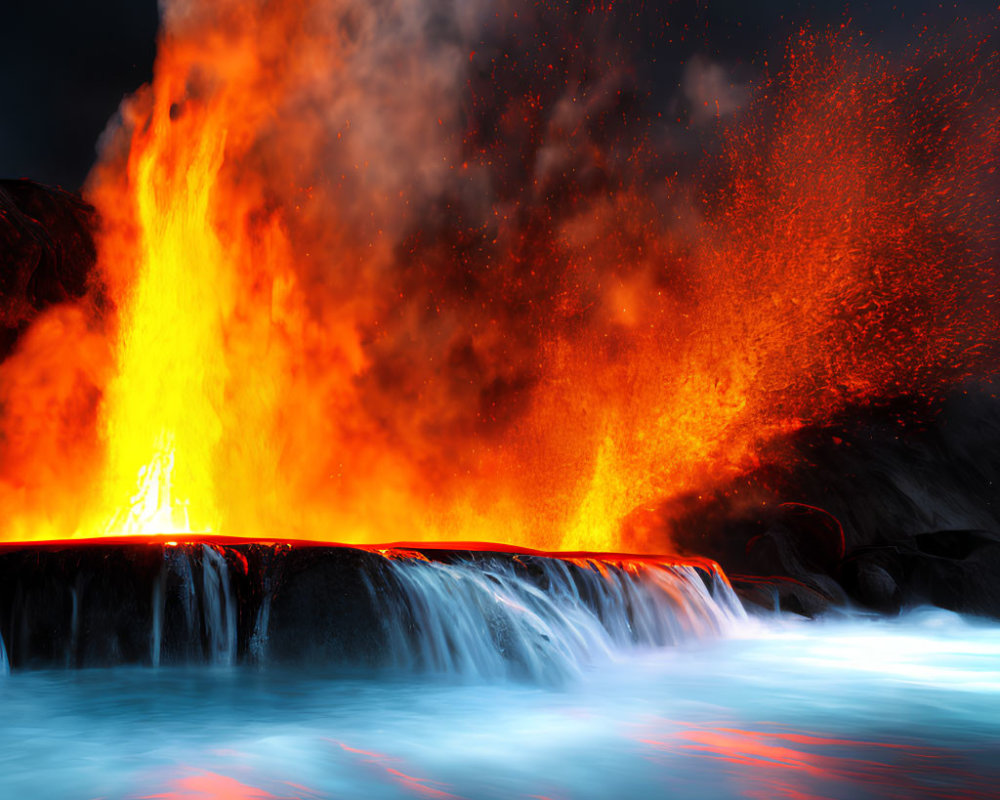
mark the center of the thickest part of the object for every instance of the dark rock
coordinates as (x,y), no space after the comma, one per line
(323,609)
(872,585)
(956,570)
(799,552)
(47,253)
(85,607)
(956,545)
(781,594)
(914,490)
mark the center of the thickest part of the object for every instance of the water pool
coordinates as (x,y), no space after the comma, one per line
(839,709)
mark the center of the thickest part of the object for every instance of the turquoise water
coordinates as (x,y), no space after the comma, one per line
(849,709)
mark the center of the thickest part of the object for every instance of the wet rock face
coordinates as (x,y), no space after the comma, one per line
(954,569)
(764,594)
(873,584)
(78,608)
(485,614)
(318,590)
(47,252)
(101,605)
(957,570)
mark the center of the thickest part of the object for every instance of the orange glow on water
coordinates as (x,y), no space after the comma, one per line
(420,787)
(777,762)
(287,349)
(211,786)
(202,784)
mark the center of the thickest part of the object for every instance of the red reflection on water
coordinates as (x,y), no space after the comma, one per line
(355,750)
(211,786)
(413,784)
(805,766)
(418,785)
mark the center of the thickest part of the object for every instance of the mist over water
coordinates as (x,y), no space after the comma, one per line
(844,709)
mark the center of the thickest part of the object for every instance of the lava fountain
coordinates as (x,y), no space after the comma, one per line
(335,305)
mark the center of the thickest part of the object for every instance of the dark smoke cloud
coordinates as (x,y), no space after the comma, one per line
(65,66)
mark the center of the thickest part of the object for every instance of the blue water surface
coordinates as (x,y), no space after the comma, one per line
(781,709)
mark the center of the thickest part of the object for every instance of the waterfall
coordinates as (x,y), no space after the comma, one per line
(258,639)
(541,619)
(156,634)
(178,563)
(74,626)
(202,614)
(4,663)
(218,607)
(475,615)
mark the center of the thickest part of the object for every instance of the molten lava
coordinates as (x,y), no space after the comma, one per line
(363,286)
(170,357)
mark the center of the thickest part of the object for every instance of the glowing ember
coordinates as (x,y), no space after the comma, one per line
(342,313)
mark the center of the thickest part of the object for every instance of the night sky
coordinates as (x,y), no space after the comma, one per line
(65,66)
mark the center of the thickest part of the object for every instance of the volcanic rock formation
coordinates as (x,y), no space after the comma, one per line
(483,614)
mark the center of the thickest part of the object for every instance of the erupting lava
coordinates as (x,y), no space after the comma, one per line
(366,281)
(171,363)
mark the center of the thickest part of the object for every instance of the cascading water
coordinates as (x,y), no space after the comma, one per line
(208,612)
(257,649)
(156,634)
(177,561)
(492,617)
(4,663)
(474,615)
(218,607)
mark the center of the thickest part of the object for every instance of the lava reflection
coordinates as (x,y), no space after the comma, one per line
(205,785)
(412,784)
(779,762)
